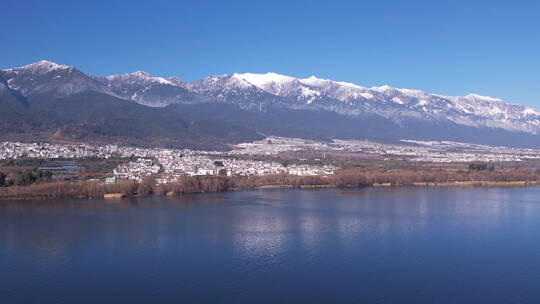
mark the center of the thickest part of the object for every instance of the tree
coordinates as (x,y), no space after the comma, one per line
(478,167)
(218,163)
(28,177)
(2,179)
(25,178)
(148,180)
(144,190)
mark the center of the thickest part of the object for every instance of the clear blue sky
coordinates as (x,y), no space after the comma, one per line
(447,47)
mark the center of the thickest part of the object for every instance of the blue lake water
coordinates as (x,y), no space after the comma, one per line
(394,245)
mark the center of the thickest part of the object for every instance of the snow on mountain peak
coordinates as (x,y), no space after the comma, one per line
(471,98)
(145,76)
(314,81)
(350,85)
(262,80)
(141,76)
(249,90)
(270,82)
(241,82)
(383,88)
(43,66)
(531,111)
(175,80)
(409,92)
(480,97)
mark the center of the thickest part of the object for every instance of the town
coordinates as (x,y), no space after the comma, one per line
(166,164)
(257,158)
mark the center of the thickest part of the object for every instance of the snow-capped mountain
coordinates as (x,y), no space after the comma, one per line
(45,77)
(396,104)
(3,84)
(144,89)
(266,92)
(230,89)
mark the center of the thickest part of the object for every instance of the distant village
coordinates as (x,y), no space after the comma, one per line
(440,151)
(167,165)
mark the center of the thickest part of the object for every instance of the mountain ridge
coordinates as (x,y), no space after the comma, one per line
(397,107)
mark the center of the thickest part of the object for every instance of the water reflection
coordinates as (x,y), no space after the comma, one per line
(255,222)
(258,234)
(311,227)
(306,236)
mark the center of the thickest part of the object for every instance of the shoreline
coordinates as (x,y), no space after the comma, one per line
(481,184)
(493,184)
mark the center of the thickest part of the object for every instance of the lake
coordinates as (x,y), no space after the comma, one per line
(371,245)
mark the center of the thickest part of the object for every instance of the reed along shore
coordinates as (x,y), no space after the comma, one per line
(342,179)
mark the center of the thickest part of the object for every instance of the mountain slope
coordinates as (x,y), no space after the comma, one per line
(12,107)
(397,104)
(227,89)
(101,118)
(51,78)
(147,90)
(235,107)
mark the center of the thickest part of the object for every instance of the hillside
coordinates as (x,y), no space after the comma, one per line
(97,117)
(45,100)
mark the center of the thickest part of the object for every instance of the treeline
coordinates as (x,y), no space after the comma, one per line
(186,185)
(25,178)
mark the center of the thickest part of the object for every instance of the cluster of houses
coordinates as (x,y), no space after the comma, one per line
(304,170)
(135,170)
(274,145)
(193,165)
(438,151)
(429,151)
(172,166)
(15,150)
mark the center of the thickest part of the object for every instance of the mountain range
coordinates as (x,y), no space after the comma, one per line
(46,101)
